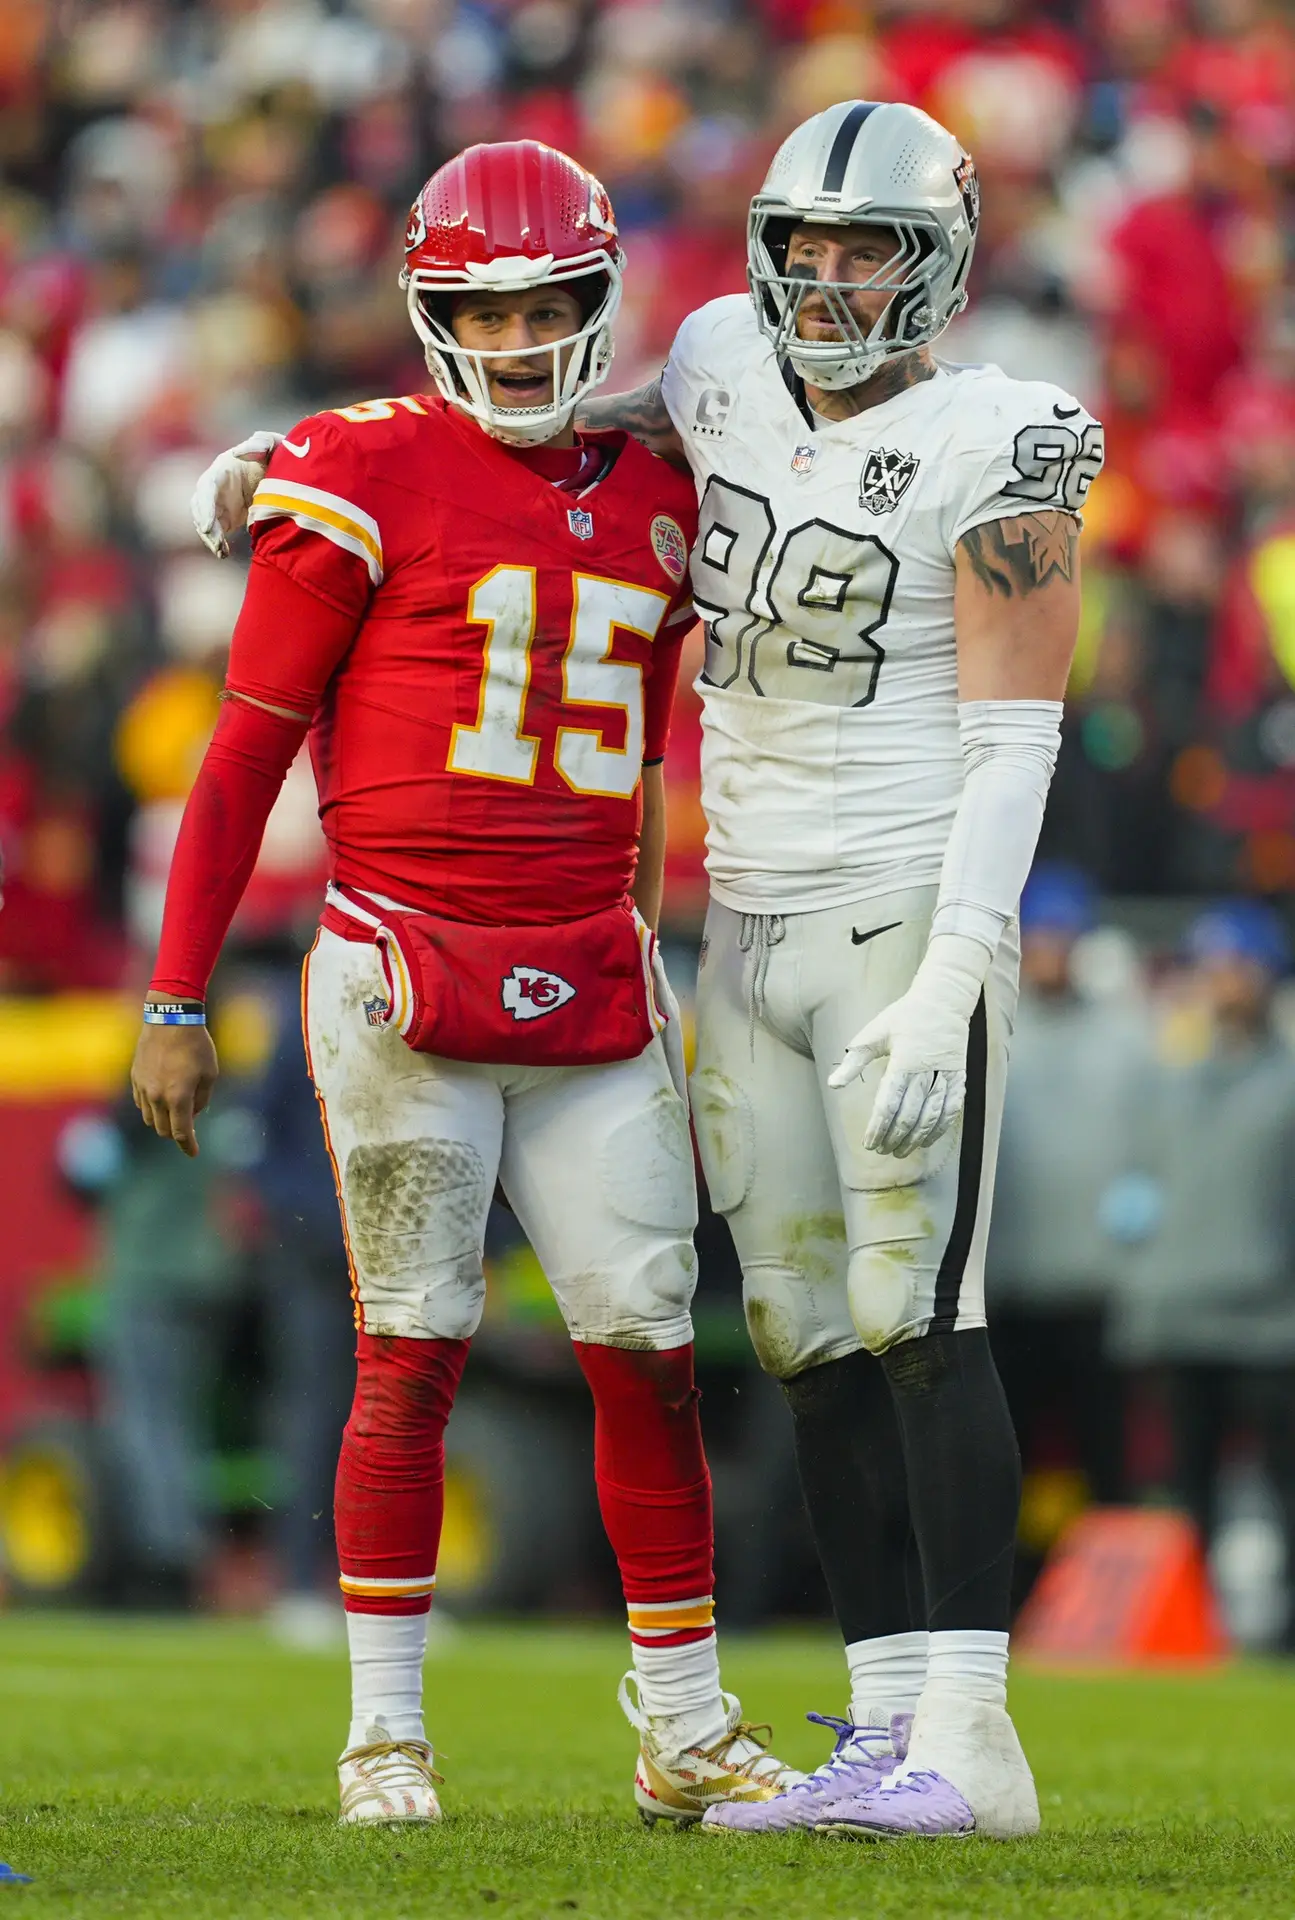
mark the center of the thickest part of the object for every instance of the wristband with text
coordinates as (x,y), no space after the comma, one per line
(174,1013)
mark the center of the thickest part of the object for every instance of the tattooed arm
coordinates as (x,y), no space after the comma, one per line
(1016,607)
(642,413)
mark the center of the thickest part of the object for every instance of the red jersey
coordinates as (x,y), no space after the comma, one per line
(504,665)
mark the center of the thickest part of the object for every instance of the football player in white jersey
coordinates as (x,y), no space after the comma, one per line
(887,567)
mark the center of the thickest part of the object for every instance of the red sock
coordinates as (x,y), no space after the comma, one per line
(390,1493)
(654,1488)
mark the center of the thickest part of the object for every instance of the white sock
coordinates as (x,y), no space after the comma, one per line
(971,1663)
(386,1676)
(886,1676)
(680,1686)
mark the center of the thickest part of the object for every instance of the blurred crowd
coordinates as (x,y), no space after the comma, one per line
(1141,1263)
(200,214)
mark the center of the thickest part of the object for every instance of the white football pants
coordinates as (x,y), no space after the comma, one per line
(840,1248)
(596,1163)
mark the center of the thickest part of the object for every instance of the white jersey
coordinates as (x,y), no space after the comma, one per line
(831,764)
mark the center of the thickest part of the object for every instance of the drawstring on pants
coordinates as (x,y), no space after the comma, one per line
(758,935)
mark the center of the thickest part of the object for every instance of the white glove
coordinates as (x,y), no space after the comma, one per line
(672,1032)
(224,493)
(924,1033)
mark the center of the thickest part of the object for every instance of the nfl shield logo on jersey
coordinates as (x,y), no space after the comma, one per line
(580,523)
(803,459)
(528,993)
(886,477)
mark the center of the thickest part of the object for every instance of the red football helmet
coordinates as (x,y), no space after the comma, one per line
(512,216)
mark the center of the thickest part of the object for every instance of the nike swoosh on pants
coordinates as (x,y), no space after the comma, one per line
(859,939)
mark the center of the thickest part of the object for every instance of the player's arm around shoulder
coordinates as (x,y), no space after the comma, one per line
(223,497)
(657,413)
(643,414)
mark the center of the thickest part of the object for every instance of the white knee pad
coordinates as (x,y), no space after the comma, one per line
(415,1211)
(645,1166)
(725,1137)
(890,1277)
(643,1303)
(790,1318)
(641,1297)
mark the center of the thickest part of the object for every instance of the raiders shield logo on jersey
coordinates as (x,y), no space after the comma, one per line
(885,479)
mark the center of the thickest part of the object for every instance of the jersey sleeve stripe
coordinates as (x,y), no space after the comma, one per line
(686,612)
(326,513)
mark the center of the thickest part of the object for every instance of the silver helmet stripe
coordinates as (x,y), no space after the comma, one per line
(843,145)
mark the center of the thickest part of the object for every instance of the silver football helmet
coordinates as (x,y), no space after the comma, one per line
(883,164)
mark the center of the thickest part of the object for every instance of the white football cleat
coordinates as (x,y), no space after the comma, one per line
(388,1782)
(680,1783)
(964,1773)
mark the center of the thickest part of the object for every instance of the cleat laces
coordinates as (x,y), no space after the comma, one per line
(848,1737)
(745,1749)
(377,1762)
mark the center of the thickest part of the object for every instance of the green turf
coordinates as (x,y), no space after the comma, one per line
(186,1770)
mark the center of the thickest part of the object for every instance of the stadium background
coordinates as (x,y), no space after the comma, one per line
(199,233)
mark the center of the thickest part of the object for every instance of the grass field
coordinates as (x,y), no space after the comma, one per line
(187,1770)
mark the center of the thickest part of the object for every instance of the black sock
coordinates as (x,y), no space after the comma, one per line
(851,1468)
(963,1473)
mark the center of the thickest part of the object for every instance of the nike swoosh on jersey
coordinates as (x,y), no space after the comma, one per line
(301,452)
(1062,413)
(860,939)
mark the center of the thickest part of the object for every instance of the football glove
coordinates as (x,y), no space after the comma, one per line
(672,1033)
(223,495)
(923,1036)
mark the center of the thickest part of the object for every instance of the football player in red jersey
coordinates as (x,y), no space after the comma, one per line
(475,616)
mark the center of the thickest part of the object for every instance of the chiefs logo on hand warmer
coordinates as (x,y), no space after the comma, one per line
(529,993)
(457,991)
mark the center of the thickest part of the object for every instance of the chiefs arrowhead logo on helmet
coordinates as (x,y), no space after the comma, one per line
(416,226)
(600,207)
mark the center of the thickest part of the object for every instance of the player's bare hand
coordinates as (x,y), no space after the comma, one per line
(922,1037)
(171,1078)
(223,495)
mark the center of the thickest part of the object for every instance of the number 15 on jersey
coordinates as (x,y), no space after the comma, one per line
(497,747)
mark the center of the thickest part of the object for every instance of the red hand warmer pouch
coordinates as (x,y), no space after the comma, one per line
(574,995)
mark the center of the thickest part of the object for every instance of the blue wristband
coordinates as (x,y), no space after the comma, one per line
(172,1017)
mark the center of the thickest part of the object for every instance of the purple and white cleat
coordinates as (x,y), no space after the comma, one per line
(860,1760)
(925,1805)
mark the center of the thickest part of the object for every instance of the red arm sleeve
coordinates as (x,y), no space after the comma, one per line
(286,646)
(658,694)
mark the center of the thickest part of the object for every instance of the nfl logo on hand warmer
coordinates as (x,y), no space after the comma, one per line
(580,523)
(529,993)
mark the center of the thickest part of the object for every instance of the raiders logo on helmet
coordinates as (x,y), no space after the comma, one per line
(886,478)
(968,185)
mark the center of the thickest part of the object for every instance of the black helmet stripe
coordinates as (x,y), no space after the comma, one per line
(843,145)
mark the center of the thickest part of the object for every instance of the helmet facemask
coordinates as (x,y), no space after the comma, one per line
(462,373)
(910,318)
